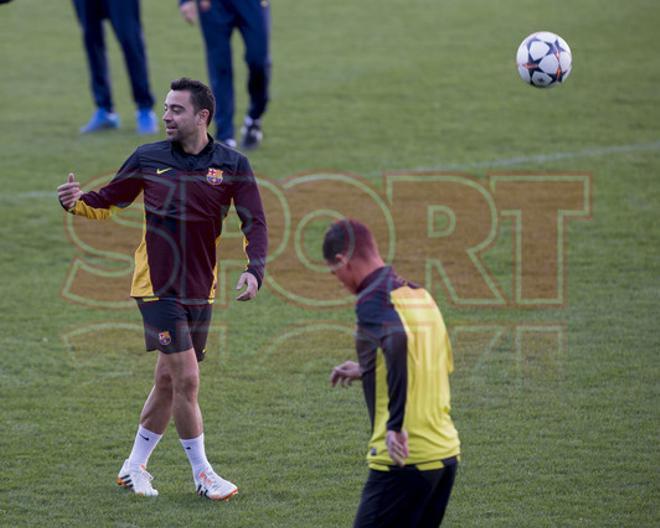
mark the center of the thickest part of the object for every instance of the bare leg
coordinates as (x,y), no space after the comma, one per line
(183,372)
(157,410)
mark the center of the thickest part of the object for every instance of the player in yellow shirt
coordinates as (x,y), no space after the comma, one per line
(404,362)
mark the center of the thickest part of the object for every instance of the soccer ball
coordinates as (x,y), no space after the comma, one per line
(544,59)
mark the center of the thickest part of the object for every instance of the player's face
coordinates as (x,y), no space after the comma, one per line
(181,121)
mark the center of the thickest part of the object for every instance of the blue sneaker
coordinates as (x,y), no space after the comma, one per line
(146,121)
(101,120)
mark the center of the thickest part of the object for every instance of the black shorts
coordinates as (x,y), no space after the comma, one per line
(406,497)
(171,327)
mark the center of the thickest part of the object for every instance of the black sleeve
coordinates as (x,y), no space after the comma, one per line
(120,192)
(366,347)
(395,349)
(247,201)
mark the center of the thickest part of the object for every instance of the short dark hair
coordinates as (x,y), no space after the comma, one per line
(348,237)
(200,95)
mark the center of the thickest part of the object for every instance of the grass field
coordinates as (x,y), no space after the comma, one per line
(557,407)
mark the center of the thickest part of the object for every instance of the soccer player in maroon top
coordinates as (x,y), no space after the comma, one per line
(188,183)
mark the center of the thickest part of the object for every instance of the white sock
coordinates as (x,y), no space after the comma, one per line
(145,442)
(194,448)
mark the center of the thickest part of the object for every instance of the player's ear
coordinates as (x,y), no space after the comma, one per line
(203,116)
(340,260)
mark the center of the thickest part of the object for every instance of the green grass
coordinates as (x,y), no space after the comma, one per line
(551,436)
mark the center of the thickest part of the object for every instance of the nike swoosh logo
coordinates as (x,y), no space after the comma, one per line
(146,438)
(161,171)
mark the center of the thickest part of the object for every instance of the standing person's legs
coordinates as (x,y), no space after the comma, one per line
(179,332)
(254,24)
(125,19)
(217,26)
(174,393)
(90,15)
(158,408)
(170,329)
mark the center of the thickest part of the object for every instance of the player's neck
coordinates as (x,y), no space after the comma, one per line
(366,268)
(195,144)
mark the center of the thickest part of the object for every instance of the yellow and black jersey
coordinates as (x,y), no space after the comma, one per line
(186,199)
(405,359)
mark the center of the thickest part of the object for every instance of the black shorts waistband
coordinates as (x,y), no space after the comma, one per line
(424,466)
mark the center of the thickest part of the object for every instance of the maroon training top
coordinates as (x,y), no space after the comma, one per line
(186,199)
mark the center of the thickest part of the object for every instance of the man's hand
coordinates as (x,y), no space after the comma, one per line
(188,9)
(69,192)
(397,446)
(250,292)
(345,373)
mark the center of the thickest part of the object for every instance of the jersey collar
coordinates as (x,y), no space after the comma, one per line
(208,148)
(374,278)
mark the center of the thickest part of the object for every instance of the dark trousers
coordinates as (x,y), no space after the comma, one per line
(124,17)
(405,498)
(252,18)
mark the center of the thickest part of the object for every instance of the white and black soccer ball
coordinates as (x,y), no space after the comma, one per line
(544,59)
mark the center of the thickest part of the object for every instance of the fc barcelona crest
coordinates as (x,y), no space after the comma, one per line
(164,338)
(214,176)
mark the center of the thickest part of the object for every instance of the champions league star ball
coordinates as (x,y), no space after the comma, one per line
(544,60)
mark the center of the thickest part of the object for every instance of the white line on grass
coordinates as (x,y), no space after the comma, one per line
(592,152)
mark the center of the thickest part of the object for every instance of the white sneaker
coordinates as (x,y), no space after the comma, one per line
(136,479)
(212,486)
